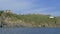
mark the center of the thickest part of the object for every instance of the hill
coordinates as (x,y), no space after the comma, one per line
(11,20)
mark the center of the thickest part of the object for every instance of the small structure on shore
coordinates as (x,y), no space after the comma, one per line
(51,17)
(8,11)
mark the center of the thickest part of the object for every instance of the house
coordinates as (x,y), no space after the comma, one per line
(8,11)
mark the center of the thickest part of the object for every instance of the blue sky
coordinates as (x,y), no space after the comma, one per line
(32,6)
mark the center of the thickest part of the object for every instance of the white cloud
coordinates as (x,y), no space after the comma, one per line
(41,10)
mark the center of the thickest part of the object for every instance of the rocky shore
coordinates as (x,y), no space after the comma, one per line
(11,20)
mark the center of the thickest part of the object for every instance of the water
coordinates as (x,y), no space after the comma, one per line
(29,30)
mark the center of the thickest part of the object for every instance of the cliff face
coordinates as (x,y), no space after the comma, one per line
(11,20)
(16,23)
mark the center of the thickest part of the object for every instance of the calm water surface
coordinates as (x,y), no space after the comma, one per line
(29,30)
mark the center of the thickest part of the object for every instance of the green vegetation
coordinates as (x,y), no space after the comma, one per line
(29,20)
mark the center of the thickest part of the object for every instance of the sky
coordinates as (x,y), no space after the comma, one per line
(32,6)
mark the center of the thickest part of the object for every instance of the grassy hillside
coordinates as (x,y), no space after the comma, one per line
(28,20)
